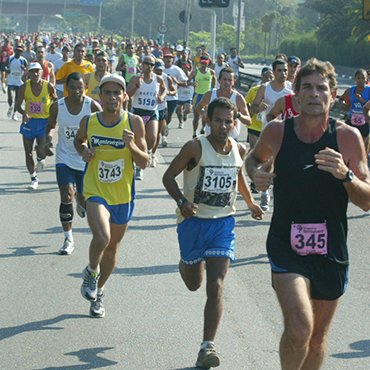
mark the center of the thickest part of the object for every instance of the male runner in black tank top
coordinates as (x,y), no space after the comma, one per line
(318,164)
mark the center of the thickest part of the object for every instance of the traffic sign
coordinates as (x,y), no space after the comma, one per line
(162,28)
(214,3)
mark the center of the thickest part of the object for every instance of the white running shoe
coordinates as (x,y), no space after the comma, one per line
(139,173)
(97,309)
(181,125)
(153,161)
(164,141)
(265,201)
(34,183)
(81,211)
(14,117)
(40,165)
(67,248)
(89,287)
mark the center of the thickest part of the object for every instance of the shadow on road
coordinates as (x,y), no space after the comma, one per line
(90,358)
(26,251)
(256,260)
(9,332)
(360,349)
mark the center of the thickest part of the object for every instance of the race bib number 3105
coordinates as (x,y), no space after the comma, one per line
(308,239)
(219,180)
(110,172)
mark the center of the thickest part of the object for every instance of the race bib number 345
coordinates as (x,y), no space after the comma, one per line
(110,172)
(308,239)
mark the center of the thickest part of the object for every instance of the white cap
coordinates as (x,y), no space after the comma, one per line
(113,78)
(17,37)
(179,48)
(34,65)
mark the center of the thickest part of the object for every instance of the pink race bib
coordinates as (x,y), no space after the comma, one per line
(308,239)
(36,108)
(358,119)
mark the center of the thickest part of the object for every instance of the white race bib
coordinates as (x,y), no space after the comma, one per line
(219,180)
(110,172)
(70,133)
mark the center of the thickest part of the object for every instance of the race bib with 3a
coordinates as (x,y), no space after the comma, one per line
(110,172)
(308,239)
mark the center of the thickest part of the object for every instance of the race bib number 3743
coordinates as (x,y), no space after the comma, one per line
(110,172)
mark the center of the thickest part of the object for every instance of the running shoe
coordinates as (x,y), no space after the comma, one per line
(97,309)
(67,248)
(253,188)
(14,117)
(139,173)
(202,132)
(208,357)
(81,211)
(4,88)
(153,161)
(265,201)
(89,287)
(40,165)
(10,112)
(181,125)
(34,183)
(164,141)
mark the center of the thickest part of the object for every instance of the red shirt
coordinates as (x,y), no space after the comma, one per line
(5,53)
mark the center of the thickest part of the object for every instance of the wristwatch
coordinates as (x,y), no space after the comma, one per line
(181,202)
(349,176)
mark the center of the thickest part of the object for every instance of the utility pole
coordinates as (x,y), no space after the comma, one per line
(238,27)
(132,19)
(187,21)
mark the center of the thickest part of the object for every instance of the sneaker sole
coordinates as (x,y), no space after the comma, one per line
(96,316)
(211,361)
(65,253)
(86,296)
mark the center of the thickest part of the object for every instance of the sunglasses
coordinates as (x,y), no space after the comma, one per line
(149,64)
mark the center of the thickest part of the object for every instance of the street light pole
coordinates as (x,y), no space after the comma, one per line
(239,27)
(132,18)
(27,14)
(100,11)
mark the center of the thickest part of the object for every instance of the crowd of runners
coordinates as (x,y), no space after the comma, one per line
(112,103)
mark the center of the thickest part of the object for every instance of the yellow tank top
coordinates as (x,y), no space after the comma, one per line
(212,184)
(37,106)
(93,88)
(203,82)
(110,174)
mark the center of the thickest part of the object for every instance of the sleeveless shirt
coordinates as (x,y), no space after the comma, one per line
(305,194)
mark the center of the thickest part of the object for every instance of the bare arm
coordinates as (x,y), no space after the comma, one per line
(202,105)
(244,190)
(52,122)
(95,106)
(51,74)
(18,104)
(258,104)
(277,109)
(135,141)
(259,161)
(189,154)
(352,156)
(162,89)
(52,92)
(133,85)
(244,116)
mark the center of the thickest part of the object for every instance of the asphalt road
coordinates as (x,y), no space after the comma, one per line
(152,321)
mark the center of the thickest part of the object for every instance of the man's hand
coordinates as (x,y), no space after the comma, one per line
(188,209)
(329,160)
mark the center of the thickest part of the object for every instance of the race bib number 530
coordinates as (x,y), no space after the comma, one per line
(308,239)
(110,172)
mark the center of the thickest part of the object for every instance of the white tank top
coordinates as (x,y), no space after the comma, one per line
(270,97)
(213,183)
(236,131)
(163,105)
(146,95)
(68,125)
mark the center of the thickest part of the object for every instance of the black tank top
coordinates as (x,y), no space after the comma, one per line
(305,194)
